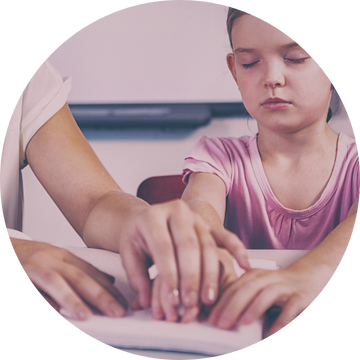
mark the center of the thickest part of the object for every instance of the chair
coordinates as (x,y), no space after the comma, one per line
(159,189)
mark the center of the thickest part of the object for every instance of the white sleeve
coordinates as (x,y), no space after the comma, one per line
(15,234)
(44,96)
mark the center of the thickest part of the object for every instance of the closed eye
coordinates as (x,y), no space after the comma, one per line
(296,61)
(248,66)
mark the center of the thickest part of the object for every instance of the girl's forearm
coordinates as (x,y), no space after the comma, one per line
(206,210)
(327,256)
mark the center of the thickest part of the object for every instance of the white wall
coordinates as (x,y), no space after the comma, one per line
(168,51)
(162,51)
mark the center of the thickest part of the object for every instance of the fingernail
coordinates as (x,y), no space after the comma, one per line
(211,294)
(157,313)
(81,313)
(224,323)
(172,315)
(247,318)
(190,299)
(189,314)
(115,310)
(174,297)
(212,319)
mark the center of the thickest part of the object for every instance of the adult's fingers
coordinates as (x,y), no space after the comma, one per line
(233,244)
(136,268)
(188,254)
(59,290)
(155,232)
(210,267)
(92,285)
(103,279)
(109,303)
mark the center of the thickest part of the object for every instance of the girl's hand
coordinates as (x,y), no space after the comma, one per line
(67,282)
(227,276)
(247,298)
(184,249)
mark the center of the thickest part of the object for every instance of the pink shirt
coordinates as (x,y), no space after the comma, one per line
(254,213)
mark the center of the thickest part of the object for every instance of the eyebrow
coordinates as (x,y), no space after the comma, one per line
(251,50)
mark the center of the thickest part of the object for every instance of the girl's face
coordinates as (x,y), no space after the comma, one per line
(282,87)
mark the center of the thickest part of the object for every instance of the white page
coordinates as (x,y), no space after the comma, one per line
(137,330)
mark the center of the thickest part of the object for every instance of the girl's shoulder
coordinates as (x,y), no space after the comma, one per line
(347,145)
(346,139)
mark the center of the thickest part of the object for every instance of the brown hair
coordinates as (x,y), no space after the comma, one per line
(232,15)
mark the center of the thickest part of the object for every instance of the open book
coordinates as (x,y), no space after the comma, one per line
(137,330)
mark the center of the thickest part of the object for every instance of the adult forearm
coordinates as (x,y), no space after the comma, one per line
(107,217)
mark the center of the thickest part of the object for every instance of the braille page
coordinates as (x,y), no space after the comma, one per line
(138,330)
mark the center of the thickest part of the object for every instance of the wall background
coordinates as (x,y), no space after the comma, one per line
(157,52)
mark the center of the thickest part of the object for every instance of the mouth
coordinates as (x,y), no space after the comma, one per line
(275,101)
(275,104)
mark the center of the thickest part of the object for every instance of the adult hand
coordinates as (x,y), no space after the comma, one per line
(227,276)
(184,248)
(68,281)
(247,298)
(170,235)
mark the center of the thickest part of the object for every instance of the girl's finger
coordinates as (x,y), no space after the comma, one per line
(156,308)
(289,312)
(228,308)
(239,296)
(262,302)
(233,244)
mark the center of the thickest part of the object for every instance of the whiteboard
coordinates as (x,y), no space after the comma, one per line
(157,52)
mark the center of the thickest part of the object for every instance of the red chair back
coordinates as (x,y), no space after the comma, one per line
(159,189)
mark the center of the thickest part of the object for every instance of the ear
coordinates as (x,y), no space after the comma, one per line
(231,65)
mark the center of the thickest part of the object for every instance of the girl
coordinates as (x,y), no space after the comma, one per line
(294,185)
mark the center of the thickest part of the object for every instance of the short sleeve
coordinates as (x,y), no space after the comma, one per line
(44,96)
(357,169)
(209,156)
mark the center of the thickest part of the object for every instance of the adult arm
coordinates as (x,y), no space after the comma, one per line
(170,234)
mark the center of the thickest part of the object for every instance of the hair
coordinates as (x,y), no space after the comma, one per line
(234,14)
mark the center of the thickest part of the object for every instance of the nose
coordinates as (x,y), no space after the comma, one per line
(274,76)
